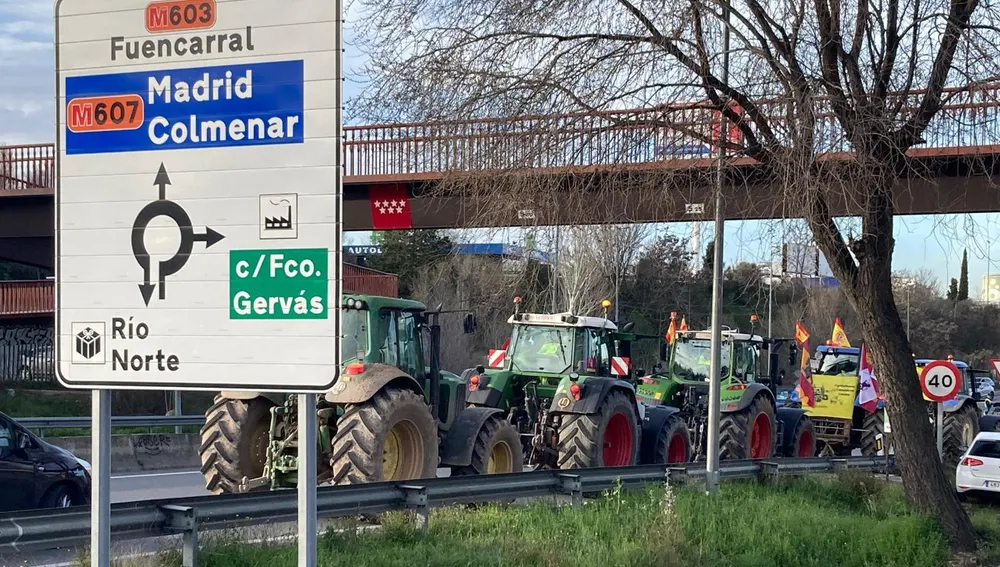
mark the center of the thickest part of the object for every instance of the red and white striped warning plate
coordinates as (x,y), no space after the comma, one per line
(619,365)
(496,358)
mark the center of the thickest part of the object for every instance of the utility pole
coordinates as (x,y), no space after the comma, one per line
(715,373)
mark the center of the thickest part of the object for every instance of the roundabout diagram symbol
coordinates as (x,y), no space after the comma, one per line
(170,266)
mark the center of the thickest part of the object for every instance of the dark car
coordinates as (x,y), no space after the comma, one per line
(37,474)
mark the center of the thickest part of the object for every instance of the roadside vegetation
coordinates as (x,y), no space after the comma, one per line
(849,520)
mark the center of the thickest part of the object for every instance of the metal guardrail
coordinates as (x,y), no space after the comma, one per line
(48,529)
(40,424)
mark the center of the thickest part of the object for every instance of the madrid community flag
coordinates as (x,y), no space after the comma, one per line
(804,388)
(839,337)
(390,206)
(868,389)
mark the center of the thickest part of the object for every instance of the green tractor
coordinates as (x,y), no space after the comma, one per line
(391,415)
(751,425)
(565,384)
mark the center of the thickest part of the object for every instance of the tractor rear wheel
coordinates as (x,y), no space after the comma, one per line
(960,428)
(608,438)
(803,441)
(673,443)
(234,442)
(750,433)
(497,450)
(392,436)
(873,425)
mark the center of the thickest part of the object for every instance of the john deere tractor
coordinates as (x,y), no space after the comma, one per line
(751,426)
(391,415)
(566,385)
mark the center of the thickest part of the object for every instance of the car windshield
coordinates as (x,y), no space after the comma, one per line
(355,328)
(833,363)
(541,349)
(693,359)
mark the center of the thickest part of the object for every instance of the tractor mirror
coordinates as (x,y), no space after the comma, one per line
(469,323)
(628,326)
(664,351)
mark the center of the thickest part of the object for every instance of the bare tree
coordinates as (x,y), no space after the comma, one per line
(582,284)
(800,80)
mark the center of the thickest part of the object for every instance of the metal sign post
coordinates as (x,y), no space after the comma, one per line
(307,479)
(940,381)
(939,425)
(198,221)
(100,488)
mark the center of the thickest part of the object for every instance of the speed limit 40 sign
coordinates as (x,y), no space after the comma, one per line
(940,380)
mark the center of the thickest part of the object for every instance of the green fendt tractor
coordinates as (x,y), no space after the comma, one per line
(751,425)
(566,385)
(388,416)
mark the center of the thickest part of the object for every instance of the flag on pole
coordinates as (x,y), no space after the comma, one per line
(672,329)
(684,323)
(804,388)
(868,390)
(839,337)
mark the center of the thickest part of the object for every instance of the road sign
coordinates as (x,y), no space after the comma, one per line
(198,202)
(996,365)
(940,380)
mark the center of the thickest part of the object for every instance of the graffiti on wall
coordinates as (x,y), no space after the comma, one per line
(26,352)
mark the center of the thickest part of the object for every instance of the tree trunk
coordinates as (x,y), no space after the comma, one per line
(927,487)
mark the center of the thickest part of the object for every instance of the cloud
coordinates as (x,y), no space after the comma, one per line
(26,71)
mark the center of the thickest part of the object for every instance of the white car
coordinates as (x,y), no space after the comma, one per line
(985,387)
(979,468)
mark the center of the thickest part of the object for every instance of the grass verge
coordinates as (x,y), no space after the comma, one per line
(810,522)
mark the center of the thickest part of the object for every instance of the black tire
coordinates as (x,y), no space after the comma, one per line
(582,437)
(234,442)
(735,429)
(59,496)
(960,428)
(873,425)
(496,433)
(673,436)
(359,447)
(803,440)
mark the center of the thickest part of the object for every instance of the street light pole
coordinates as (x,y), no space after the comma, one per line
(715,373)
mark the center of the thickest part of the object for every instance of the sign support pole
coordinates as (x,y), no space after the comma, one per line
(939,424)
(307,479)
(100,505)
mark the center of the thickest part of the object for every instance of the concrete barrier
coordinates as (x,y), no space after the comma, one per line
(136,453)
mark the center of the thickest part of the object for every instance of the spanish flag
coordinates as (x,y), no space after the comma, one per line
(684,323)
(804,387)
(671,335)
(839,337)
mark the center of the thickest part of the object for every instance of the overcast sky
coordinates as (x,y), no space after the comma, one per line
(934,243)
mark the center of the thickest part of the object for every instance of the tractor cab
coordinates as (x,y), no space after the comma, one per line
(686,363)
(967,388)
(836,361)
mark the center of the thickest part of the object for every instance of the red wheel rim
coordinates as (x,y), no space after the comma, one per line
(618,441)
(676,451)
(805,444)
(760,437)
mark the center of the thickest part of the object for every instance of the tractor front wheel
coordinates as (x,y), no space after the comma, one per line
(960,428)
(234,442)
(803,441)
(873,426)
(390,437)
(497,450)
(608,438)
(750,433)
(673,443)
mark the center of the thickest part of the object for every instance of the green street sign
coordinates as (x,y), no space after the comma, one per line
(278,284)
